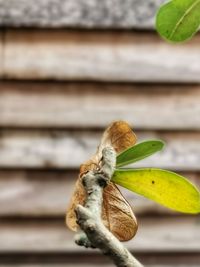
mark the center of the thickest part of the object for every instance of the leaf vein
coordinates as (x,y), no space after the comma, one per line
(183,17)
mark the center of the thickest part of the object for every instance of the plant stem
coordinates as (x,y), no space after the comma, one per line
(94,233)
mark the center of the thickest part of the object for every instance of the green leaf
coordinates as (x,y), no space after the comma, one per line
(165,187)
(138,152)
(178,20)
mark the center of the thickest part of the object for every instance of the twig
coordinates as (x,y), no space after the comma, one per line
(94,233)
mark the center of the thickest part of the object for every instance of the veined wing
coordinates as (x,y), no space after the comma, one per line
(117,214)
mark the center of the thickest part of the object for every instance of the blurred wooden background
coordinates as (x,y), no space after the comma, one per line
(68,68)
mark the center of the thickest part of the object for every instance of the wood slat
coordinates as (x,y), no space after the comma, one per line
(47,194)
(102,56)
(165,234)
(89,264)
(127,14)
(35,193)
(62,149)
(153,259)
(1,53)
(78,105)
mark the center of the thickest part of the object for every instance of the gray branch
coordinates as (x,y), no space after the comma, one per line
(94,233)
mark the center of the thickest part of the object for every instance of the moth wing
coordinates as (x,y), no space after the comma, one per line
(117,214)
(78,197)
(79,194)
(119,135)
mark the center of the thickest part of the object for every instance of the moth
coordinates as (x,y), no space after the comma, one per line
(117,214)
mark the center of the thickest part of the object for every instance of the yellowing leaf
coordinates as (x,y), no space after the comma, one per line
(165,187)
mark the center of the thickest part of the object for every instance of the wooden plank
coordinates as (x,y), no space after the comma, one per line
(62,149)
(127,14)
(1,52)
(94,258)
(164,234)
(74,104)
(89,264)
(102,56)
(47,194)
(37,194)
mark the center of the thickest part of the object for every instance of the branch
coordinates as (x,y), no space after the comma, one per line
(94,233)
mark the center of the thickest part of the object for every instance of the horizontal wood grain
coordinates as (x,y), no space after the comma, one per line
(89,264)
(75,105)
(99,56)
(35,193)
(67,86)
(94,257)
(1,53)
(175,234)
(68,149)
(47,194)
(126,14)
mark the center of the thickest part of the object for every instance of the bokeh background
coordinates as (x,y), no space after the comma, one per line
(68,68)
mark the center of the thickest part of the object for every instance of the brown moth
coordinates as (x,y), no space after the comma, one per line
(117,214)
